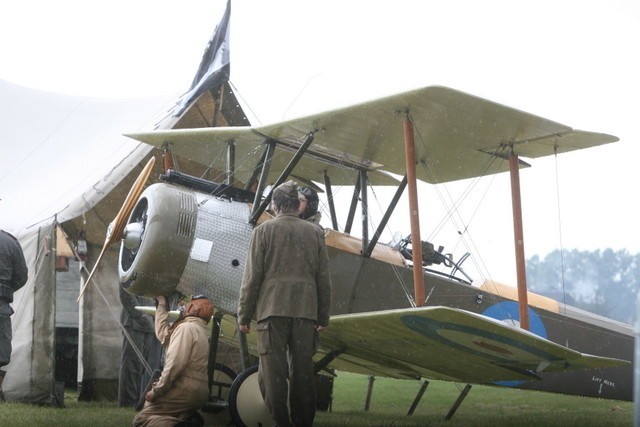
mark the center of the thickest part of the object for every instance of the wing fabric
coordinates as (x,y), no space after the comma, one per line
(448,344)
(435,342)
(458,136)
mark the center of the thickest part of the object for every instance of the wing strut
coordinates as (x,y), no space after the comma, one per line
(519,240)
(328,358)
(410,157)
(352,208)
(285,173)
(265,163)
(385,218)
(231,163)
(332,205)
(458,402)
(253,178)
(364,185)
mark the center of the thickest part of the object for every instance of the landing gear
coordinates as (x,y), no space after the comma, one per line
(245,400)
(223,377)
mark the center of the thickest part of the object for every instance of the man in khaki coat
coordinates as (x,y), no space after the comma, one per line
(183,387)
(287,288)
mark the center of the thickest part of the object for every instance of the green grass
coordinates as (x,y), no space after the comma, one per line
(483,406)
(391,399)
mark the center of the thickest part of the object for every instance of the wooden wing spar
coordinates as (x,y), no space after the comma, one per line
(457,137)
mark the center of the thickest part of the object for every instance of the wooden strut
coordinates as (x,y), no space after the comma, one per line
(519,241)
(367,400)
(416,246)
(167,160)
(458,402)
(423,387)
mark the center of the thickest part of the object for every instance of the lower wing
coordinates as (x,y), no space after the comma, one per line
(435,342)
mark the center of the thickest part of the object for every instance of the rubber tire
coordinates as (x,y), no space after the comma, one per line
(246,405)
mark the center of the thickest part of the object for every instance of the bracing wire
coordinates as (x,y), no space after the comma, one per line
(453,213)
(348,176)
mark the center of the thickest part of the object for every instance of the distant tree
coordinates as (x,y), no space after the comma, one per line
(602,282)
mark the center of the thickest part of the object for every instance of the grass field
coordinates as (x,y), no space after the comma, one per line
(391,399)
(483,406)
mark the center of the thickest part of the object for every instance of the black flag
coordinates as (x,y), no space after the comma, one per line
(215,66)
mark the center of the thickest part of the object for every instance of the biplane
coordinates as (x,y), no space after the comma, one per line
(393,315)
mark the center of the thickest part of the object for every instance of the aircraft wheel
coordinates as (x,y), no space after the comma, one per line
(245,400)
(223,377)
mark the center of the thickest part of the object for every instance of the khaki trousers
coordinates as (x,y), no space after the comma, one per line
(286,346)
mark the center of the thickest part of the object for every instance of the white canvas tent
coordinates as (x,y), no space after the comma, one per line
(67,166)
(62,156)
(74,172)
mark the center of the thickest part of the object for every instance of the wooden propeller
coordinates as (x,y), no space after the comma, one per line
(115,228)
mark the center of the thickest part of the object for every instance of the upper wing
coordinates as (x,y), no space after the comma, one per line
(457,136)
(436,342)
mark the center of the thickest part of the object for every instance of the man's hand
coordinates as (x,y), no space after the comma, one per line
(245,329)
(161,300)
(320,328)
(150,395)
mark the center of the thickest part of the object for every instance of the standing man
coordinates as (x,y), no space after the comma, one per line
(287,288)
(13,276)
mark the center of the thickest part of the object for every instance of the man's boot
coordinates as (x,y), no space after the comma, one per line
(2,374)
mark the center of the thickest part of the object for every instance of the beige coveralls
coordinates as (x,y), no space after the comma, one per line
(183,386)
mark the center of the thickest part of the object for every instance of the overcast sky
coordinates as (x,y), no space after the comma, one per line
(574,62)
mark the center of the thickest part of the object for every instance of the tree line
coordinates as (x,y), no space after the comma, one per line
(601,282)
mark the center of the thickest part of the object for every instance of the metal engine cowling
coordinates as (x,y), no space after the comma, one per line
(157,240)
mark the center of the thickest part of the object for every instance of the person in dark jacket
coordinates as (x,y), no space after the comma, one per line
(13,276)
(141,342)
(286,287)
(309,203)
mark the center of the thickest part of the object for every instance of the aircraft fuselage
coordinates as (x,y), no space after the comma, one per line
(193,243)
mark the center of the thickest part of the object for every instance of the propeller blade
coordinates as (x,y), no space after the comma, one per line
(114,231)
(115,228)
